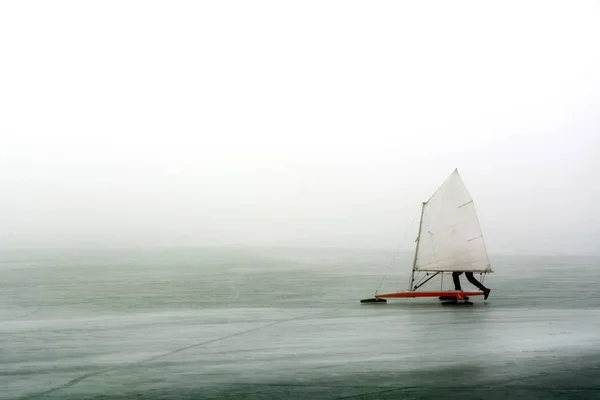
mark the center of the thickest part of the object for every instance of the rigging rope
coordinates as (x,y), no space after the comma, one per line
(397,251)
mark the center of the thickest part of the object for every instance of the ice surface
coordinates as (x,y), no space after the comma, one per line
(282,324)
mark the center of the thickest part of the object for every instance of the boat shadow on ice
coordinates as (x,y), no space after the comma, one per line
(434,305)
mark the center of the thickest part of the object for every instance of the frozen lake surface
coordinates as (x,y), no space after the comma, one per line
(287,323)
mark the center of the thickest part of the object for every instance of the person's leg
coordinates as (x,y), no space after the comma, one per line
(455,278)
(475,282)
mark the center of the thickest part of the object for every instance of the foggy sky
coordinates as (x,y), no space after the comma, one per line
(321,123)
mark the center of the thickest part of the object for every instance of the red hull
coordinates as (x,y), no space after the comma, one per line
(427,294)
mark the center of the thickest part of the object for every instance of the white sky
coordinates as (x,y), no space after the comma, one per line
(308,122)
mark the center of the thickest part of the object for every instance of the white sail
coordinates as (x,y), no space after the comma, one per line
(450,236)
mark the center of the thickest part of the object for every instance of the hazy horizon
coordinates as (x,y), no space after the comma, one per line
(304,124)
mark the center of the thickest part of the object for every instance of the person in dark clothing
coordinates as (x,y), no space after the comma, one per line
(470,278)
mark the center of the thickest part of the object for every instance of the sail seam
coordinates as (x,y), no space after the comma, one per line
(462,205)
(470,240)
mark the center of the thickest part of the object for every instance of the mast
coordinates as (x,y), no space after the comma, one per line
(412,275)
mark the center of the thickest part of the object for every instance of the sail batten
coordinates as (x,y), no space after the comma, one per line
(450,237)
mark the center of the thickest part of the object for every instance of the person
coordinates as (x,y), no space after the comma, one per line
(470,278)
